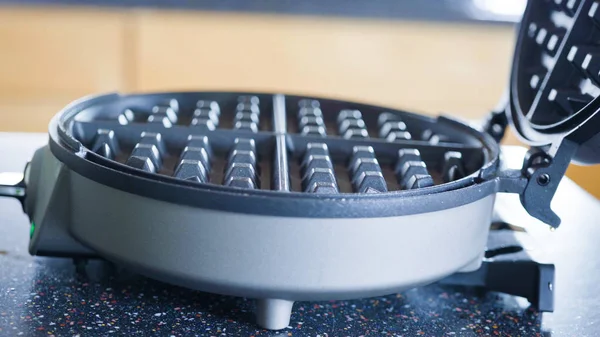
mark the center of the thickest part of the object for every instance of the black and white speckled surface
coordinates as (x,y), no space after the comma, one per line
(46,296)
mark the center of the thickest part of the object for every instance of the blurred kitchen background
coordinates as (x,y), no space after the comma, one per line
(429,56)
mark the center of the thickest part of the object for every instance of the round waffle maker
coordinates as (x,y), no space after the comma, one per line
(285,198)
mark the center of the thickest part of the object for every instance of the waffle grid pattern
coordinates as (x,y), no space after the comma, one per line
(279,143)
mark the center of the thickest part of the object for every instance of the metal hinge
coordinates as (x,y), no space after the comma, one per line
(543,168)
(537,180)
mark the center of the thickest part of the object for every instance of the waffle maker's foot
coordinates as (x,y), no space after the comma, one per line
(273,314)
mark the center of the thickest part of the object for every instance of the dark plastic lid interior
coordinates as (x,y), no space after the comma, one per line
(555,79)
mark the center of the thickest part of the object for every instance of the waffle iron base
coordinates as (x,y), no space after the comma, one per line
(249,243)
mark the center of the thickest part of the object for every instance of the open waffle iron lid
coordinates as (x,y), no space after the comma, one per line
(552,101)
(555,79)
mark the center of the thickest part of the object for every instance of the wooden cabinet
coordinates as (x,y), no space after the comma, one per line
(406,65)
(49,57)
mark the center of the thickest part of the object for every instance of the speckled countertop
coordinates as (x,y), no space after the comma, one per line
(47,297)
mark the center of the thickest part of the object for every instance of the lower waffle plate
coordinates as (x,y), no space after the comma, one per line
(275,197)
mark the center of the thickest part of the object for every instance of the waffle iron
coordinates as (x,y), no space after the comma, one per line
(289,198)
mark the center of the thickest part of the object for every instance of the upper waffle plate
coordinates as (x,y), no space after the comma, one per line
(277,142)
(555,77)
